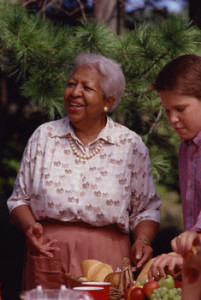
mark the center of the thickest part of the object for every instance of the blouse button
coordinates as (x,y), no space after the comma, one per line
(78,215)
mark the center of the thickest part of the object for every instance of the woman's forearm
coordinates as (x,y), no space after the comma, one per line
(146,230)
(22,217)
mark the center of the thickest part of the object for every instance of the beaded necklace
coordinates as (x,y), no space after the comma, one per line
(93,153)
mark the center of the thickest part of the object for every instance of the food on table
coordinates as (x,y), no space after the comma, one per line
(95,270)
(166,294)
(149,286)
(114,278)
(190,253)
(123,281)
(167,281)
(144,273)
(136,294)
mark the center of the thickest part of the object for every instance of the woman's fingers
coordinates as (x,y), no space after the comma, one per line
(47,249)
(141,253)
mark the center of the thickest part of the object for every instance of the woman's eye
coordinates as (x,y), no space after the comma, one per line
(70,84)
(87,88)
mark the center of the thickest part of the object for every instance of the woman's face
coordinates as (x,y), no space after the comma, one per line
(183,113)
(84,98)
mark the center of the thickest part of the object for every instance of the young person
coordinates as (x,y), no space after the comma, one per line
(179,87)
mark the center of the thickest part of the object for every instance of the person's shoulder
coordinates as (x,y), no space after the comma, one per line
(55,127)
(50,129)
(124,131)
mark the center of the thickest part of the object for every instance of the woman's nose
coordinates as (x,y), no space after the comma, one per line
(76,91)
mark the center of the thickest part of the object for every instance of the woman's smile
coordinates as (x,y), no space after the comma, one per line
(75,106)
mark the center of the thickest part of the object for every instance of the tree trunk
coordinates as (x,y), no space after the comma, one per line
(3,103)
(111,12)
(195,12)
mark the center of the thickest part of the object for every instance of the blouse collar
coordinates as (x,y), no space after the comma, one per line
(109,133)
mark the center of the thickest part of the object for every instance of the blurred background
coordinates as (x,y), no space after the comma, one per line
(38,42)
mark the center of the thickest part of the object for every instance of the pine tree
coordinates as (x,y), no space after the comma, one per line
(38,54)
(35,57)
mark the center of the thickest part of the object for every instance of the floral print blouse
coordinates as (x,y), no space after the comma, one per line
(113,187)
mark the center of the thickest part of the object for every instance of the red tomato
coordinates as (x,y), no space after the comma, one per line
(137,294)
(149,286)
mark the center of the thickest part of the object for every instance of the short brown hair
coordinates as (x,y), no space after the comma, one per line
(181,75)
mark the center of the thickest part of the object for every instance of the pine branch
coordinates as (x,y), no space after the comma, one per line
(155,122)
(155,62)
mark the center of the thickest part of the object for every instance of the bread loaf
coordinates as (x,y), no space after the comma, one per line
(144,273)
(114,278)
(94,270)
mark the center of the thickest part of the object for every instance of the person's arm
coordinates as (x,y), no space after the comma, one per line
(22,217)
(145,204)
(144,233)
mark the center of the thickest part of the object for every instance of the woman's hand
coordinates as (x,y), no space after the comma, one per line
(165,264)
(140,253)
(34,237)
(144,233)
(184,242)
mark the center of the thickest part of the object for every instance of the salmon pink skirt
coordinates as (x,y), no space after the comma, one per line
(77,241)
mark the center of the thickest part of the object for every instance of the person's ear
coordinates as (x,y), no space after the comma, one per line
(109,102)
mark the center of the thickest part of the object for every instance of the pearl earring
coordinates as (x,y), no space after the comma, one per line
(106,109)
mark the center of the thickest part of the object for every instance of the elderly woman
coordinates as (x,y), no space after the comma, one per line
(84,183)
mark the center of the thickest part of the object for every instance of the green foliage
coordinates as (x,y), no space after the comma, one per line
(38,55)
(161,166)
(95,38)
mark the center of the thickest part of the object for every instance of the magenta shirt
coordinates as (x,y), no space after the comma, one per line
(190,182)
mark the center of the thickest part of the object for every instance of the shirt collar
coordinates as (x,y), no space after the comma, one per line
(108,133)
(62,128)
(196,140)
